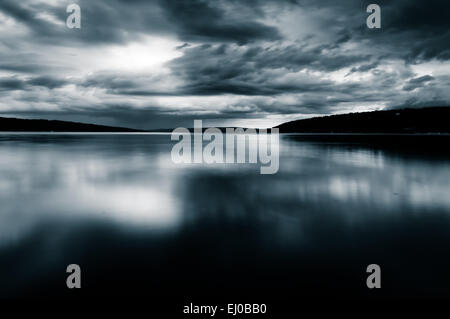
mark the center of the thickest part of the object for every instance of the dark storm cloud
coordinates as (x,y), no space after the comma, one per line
(420,28)
(412,30)
(209,70)
(127,84)
(424,25)
(364,67)
(417,82)
(11,84)
(47,81)
(297,57)
(230,69)
(22,68)
(118,21)
(209,21)
(21,14)
(14,83)
(111,21)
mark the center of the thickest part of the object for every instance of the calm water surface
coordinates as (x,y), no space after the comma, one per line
(138,224)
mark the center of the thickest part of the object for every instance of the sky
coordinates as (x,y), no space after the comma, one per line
(153,64)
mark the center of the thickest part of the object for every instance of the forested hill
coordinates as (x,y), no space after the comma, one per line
(22,125)
(425,120)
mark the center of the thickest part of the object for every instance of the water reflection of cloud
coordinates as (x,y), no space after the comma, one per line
(134,182)
(211,226)
(41,182)
(363,177)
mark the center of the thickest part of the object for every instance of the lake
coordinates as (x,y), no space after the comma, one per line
(138,224)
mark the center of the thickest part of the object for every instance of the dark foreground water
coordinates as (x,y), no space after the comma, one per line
(138,224)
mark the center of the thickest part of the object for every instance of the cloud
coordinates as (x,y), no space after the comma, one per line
(11,84)
(224,21)
(47,81)
(256,70)
(364,67)
(417,82)
(14,83)
(159,63)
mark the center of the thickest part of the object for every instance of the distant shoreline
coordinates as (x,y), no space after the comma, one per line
(49,126)
(169,133)
(425,121)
